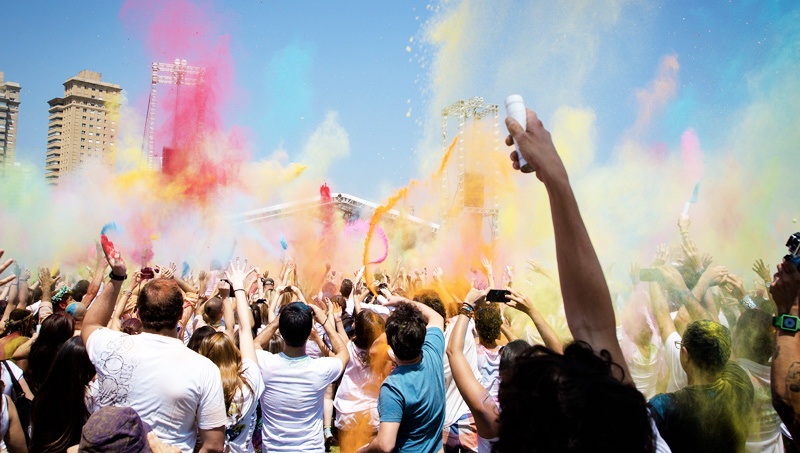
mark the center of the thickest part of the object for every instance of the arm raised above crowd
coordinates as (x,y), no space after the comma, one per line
(326,318)
(785,374)
(100,313)
(237,276)
(587,301)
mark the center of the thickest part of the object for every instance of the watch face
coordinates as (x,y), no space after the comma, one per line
(789,323)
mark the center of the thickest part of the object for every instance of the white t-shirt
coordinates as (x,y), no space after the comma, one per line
(672,355)
(239,430)
(765,432)
(9,386)
(292,401)
(360,387)
(489,368)
(172,388)
(644,371)
(455,406)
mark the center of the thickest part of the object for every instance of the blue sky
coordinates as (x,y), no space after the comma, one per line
(295,61)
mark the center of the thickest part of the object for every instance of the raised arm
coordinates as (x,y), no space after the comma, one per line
(523,304)
(22,294)
(432,318)
(587,301)
(100,313)
(785,375)
(237,276)
(46,307)
(326,318)
(480,402)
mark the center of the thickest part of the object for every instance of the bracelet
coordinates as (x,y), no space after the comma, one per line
(466,310)
(326,321)
(130,293)
(240,289)
(747,302)
(118,278)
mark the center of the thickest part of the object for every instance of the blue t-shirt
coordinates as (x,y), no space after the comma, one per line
(414,396)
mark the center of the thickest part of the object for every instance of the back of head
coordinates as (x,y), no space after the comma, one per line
(329,290)
(509,353)
(21,321)
(132,326)
(221,350)
(431,299)
(79,290)
(212,311)
(754,336)
(198,336)
(56,329)
(285,298)
(346,288)
(77,310)
(62,393)
(708,344)
(295,324)
(114,429)
(368,326)
(160,304)
(570,403)
(487,323)
(405,332)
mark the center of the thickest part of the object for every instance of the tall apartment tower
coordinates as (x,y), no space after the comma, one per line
(83,126)
(9,108)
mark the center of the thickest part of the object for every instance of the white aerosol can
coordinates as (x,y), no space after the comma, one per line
(515,108)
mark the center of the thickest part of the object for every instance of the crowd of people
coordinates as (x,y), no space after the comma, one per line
(237,361)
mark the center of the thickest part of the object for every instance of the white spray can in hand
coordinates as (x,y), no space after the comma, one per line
(515,108)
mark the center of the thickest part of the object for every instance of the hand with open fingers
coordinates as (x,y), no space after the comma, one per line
(330,310)
(25,275)
(715,275)
(536,146)
(337,310)
(519,301)
(535,265)
(475,296)
(238,273)
(762,270)
(5,265)
(486,266)
(706,260)
(437,274)
(691,258)
(46,278)
(661,257)
(785,288)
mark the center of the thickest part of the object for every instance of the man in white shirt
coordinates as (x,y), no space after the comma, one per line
(292,402)
(176,391)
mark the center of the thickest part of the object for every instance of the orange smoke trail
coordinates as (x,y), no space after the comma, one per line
(396,196)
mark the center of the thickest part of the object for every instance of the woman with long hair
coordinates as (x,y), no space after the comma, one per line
(56,329)
(60,408)
(241,379)
(356,400)
(19,329)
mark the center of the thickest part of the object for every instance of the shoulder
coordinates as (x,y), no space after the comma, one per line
(434,338)
(661,405)
(102,336)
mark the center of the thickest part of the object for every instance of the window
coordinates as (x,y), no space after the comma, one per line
(84,117)
(92,98)
(84,110)
(83,139)
(83,124)
(83,132)
(82,147)
(90,133)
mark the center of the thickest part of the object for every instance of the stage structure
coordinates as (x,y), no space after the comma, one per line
(352,208)
(469,195)
(177,73)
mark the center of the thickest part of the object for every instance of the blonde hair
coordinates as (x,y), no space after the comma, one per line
(221,350)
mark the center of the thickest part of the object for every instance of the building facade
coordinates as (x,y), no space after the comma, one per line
(82,126)
(9,109)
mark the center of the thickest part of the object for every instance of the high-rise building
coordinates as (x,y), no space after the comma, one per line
(9,108)
(83,126)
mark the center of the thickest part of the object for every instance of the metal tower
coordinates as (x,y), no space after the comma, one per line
(450,208)
(177,73)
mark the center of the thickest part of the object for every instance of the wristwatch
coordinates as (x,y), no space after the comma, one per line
(786,322)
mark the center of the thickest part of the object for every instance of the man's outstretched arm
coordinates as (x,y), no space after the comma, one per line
(587,301)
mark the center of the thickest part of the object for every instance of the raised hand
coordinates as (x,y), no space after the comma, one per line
(3,268)
(690,255)
(734,286)
(224,289)
(474,297)
(437,274)
(25,275)
(662,255)
(238,274)
(715,275)
(762,270)
(519,301)
(46,278)
(683,224)
(536,147)
(136,279)
(672,278)
(487,266)
(634,272)
(706,260)
(785,288)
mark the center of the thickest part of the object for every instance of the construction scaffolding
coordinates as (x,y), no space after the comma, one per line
(454,206)
(177,73)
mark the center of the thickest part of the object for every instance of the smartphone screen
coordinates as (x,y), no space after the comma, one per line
(498,295)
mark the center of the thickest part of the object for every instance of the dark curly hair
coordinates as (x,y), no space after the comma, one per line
(754,336)
(431,298)
(160,304)
(487,323)
(405,331)
(708,344)
(570,403)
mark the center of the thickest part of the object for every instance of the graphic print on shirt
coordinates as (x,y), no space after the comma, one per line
(114,374)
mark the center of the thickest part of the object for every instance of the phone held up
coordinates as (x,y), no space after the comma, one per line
(498,295)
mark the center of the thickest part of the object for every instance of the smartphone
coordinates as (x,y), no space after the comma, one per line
(649,275)
(498,295)
(147,273)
